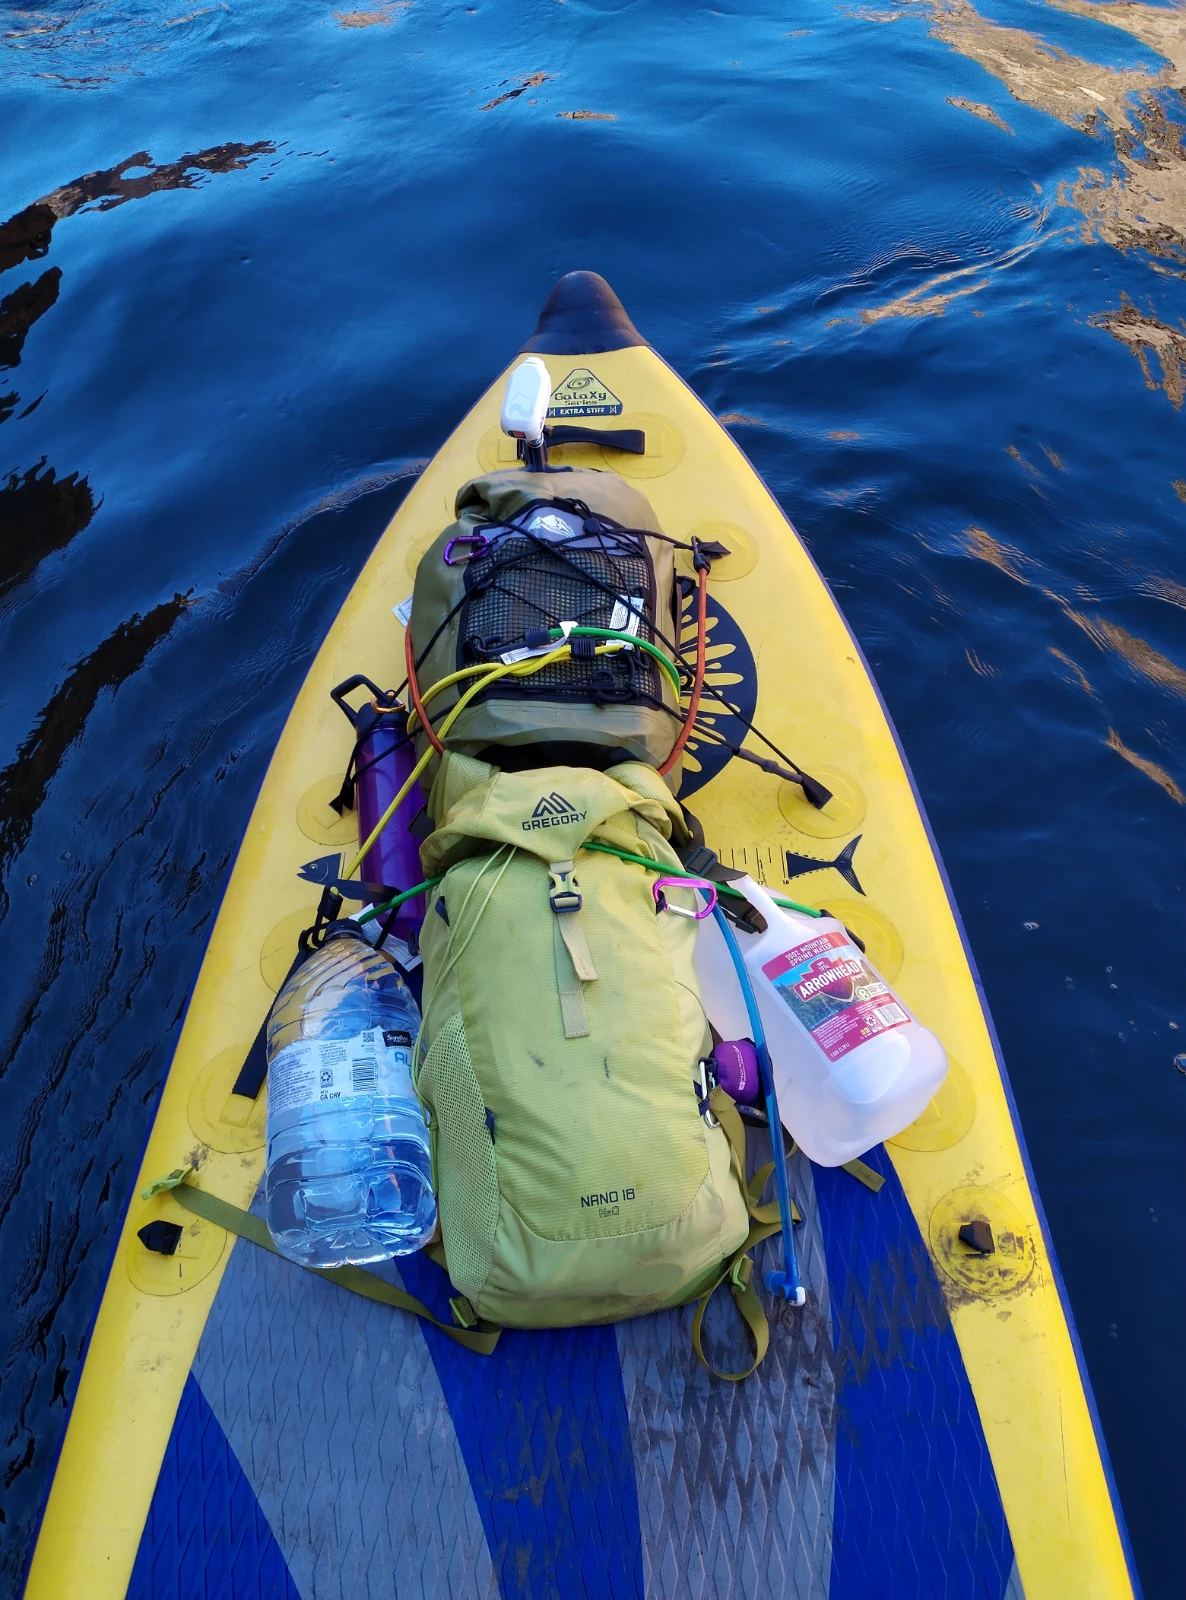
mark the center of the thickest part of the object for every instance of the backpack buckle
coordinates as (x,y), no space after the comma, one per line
(741,1273)
(564,891)
(463,1312)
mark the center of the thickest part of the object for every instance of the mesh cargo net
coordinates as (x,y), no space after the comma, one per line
(521,585)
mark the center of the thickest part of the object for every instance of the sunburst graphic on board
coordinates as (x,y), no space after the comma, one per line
(730,671)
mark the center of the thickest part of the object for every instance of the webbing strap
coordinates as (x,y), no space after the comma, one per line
(863,1173)
(726,1113)
(202,1203)
(568,986)
(569,923)
(739,1270)
(565,899)
(255,1064)
(768,1212)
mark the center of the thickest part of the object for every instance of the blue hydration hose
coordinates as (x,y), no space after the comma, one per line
(786,1283)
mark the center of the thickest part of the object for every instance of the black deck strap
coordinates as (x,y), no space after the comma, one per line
(633,441)
(698,858)
(421,825)
(255,1068)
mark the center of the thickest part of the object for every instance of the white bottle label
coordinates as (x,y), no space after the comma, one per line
(834,992)
(627,614)
(315,1070)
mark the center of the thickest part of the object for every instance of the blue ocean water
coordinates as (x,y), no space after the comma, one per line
(925,259)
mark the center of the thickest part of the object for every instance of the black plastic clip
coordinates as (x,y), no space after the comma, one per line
(814,792)
(699,860)
(162,1238)
(978,1236)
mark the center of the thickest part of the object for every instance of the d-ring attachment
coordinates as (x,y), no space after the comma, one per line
(703,884)
(479,542)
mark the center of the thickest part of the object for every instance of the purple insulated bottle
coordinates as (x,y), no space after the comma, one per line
(383,760)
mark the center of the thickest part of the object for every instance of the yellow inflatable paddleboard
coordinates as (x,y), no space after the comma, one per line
(245,1430)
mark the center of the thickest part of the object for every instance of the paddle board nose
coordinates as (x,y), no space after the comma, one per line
(582,316)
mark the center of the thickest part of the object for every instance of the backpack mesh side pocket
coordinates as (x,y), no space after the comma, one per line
(466,1176)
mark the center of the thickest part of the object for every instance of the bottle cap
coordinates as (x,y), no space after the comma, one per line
(737,1070)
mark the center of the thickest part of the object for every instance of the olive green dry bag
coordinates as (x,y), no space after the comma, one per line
(530,551)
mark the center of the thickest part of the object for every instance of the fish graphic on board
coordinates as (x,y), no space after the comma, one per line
(798,866)
(325,871)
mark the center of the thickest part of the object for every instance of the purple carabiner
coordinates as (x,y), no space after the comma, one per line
(479,541)
(703,884)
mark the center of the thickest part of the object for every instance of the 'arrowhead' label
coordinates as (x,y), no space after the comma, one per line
(582,394)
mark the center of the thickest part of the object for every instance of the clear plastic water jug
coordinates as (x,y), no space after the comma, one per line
(852,1066)
(349,1173)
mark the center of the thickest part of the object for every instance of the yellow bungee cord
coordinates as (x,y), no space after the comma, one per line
(485,676)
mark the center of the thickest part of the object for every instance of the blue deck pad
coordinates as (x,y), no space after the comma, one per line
(206,1537)
(543,1429)
(735,1479)
(332,1404)
(917,1509)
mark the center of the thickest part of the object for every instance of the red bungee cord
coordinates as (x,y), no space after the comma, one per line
(677,749)
(414,692)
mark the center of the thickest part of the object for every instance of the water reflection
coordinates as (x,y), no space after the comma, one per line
(1141,204)
(26,236)
(24,782)
(1143,334)
(985,113)
(91,43)
(932,298)
(1149,768)
(39,514)
(20,310)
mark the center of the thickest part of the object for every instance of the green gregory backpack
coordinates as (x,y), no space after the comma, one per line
(577,1179)
(515,561)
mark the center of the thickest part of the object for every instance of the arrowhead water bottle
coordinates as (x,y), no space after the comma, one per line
(852,1066)
(349,1173)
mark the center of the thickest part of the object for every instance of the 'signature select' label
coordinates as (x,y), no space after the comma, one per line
(314,1070)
